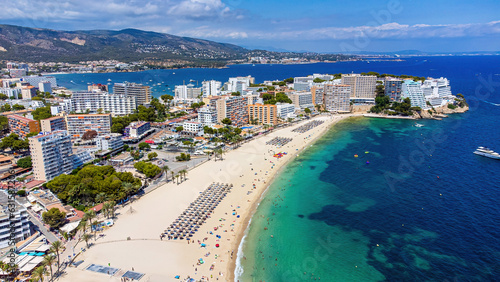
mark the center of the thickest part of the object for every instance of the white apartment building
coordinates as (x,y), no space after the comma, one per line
(437,91)
(240,83)
(211,88)
(109,142)
(187,93)
(207,116)
(116,104)
(285,110)
(80,157)
(302,100)
(192,126)
(11,92)
(45,86)
(64,106)
(79,124)
(51,155)
(35,80)
(362,86)
(337,98)
(28,104)
(413,90)
(14,221)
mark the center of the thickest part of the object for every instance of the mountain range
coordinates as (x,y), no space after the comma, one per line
(42,45)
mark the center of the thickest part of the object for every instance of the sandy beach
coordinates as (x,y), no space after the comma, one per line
(134,243)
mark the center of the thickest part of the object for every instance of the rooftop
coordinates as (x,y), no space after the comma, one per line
(21,118)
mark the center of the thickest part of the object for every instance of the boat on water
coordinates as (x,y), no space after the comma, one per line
(486,152)
(418,125)
(109,79)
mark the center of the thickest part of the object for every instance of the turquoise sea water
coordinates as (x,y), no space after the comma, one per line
(429,203)
(334,216)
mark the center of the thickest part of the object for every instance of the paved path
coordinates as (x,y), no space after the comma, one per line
(49,235)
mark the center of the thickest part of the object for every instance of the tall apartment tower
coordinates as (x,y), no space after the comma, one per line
(362,86)
(211,88)
(51,155)
(413,90)
(393,87)
(337,98)
(140,92)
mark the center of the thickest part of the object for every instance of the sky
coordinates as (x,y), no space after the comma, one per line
(293,25)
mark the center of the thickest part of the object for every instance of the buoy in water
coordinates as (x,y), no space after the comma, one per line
(367,162)
(355,156)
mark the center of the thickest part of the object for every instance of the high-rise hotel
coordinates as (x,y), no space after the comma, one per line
(51,155)
(140,92)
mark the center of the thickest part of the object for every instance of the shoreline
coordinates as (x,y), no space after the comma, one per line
(251,169)
(231,268)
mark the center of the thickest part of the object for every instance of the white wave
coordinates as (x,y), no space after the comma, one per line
(491,103)
(238,270)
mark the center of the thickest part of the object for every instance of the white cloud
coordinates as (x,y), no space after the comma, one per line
(385,31)
(198,9)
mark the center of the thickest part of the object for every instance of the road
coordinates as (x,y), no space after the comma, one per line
(49,235)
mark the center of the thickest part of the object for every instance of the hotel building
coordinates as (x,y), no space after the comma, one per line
(53,124)
(211,88)
(115,104)
(51,155)
(233,107)
(140,92)
(302,100)
(187,93)
(136,129)
(413,90)
(79,124)
(263,114)
(14,226)
(22,126)
(337,98)
(207,116)
(393,87)
(362,86)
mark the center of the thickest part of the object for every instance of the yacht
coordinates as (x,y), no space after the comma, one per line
(418,125)
(485,152)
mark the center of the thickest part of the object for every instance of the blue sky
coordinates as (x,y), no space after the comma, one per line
(296,25)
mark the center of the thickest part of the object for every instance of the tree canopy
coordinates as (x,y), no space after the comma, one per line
(80,189)
(25,162)
(42,113)
(14,143)
(149,169)
(144,146)
(54,218)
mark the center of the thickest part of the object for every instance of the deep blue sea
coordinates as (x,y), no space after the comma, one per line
(423,209)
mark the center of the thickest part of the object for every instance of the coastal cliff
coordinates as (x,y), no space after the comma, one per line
(441,112)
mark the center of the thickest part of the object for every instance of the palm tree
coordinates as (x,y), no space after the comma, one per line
(105,209)
(101,197)
(90,214)
(49,261)
(83,225)
(173,177)
(177,176)
(38,273)
(111,208)
(86,238)
(165,168)
(219,152)
(56,247)
(183,173)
